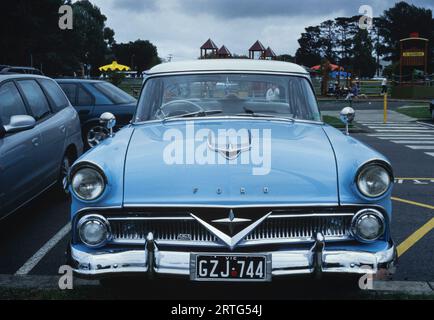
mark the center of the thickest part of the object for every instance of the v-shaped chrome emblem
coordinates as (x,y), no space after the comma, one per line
(234,240)
(230,150)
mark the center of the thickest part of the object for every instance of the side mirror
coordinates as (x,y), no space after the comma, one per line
(20,123)
(347,116)
(108,120)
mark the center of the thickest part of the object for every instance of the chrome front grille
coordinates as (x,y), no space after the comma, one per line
(277,228)
(302,227)
(167,230)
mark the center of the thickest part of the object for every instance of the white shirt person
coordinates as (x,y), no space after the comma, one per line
(273,93)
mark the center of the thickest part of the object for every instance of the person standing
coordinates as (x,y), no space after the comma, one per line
(384,86)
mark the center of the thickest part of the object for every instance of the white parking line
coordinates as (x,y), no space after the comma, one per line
(405,131)
(430,154)
(392,124)
(34,260)
(421,147)
(401,136)
(421,139)
(381,122)
(400,128)
(414,142)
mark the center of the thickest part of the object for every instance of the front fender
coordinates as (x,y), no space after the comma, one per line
(110,157)
(350,155)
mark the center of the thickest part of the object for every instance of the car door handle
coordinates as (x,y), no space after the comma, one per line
(35,142)
(62,128)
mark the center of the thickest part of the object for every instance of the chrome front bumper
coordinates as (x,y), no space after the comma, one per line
(151,260)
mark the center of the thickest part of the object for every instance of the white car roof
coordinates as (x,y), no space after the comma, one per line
(230,65)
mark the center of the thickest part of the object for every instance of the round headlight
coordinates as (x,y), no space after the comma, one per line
(93,231)
(87,183)
(368,225)
(374,180)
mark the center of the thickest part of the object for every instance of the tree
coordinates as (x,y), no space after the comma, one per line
(140,55)
(398,22)
(309,53)
(345,29)
(286,58)
(30,36)
(90,38)
(29,32)
(328,37)
(363,62)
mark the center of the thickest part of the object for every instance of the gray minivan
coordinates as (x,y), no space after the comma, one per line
(40,137)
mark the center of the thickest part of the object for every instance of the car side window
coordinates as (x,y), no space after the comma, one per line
(84,98)
(55,93)
(35,97)
(70,90)
(100,98)
(11,103)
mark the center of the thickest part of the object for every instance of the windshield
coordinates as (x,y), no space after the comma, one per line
(228,95)
(114,93)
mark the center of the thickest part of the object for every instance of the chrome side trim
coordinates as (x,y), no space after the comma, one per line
(264,205)
(279,216)
(127,218)
(231,206)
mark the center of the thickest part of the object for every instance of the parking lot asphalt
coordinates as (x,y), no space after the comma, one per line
(23,234)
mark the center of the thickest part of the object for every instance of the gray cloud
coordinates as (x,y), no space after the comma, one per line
(180,27)
(136,5)
(230,9)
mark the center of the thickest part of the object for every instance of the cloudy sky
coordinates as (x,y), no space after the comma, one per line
(180,27)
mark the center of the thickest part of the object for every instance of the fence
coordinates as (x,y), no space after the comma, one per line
(370,88)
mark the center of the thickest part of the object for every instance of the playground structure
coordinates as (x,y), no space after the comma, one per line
(413,80)
(413,55)
(209,50)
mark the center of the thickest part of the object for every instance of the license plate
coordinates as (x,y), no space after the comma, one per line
(237,267)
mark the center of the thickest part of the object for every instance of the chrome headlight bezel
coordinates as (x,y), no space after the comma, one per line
(363,214)
(87,166)
(380,165)
(94,218)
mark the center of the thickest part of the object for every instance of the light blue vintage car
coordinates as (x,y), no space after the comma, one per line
(227,173)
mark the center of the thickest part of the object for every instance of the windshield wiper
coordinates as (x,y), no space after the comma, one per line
(252,113)
(202,113)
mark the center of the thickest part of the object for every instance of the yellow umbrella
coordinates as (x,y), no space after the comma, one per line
(114,66)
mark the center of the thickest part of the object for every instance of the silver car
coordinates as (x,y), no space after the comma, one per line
(40,137)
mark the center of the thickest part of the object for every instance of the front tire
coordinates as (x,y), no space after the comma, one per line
(62,183)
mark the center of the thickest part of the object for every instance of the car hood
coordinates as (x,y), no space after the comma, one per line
(301,168)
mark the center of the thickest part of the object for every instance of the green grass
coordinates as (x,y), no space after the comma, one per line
(417,112)
(334,122)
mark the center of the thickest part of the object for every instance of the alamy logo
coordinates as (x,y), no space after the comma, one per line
(66,281)
(66,18)
(366,20)
(225,146)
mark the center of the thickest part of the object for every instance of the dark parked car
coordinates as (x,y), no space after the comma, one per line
(91,98)
(21,70)
(39,138)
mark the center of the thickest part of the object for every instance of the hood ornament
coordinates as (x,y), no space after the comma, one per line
(231,219)
(230,151)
